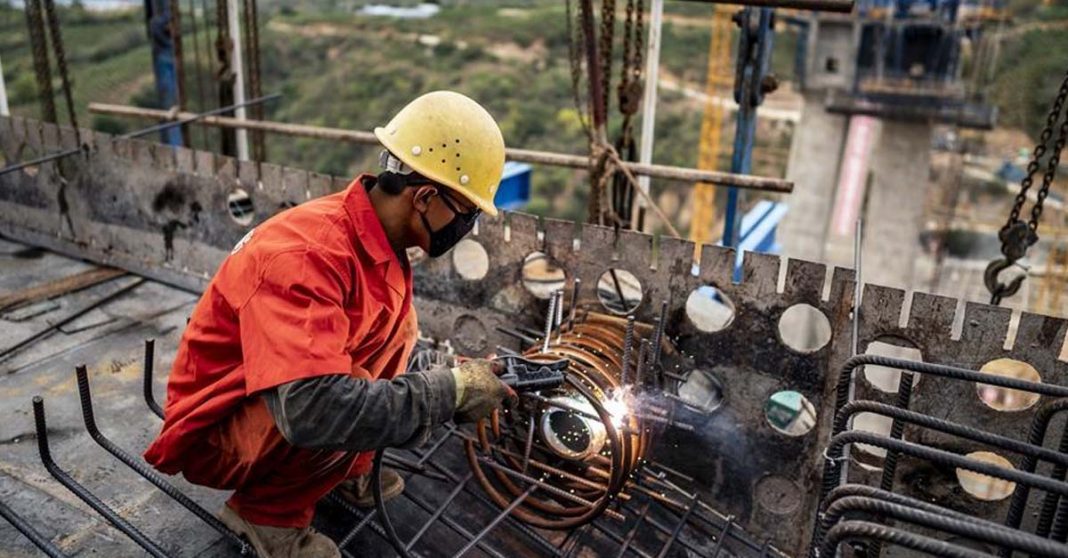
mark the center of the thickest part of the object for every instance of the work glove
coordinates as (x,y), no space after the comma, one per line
(478,389)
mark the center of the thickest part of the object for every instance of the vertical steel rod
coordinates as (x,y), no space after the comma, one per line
(142,469)
(150,364)
(80,491)
(549,323)
(643,354)
(897,430)
(628,348)
(658,336)
(574,302)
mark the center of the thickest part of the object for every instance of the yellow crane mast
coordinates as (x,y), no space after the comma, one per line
(717,88)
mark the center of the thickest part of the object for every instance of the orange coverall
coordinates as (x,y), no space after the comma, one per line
(315,290)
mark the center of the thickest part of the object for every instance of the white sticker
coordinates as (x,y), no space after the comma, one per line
(244,240)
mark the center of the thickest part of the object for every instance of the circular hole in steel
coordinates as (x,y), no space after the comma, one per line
(789,412)
(470,259)
(239,203)
(542,276)
(1005,399)
(620,291)
(709,309)
(570,430)
(702,390)
(876,424)
(570,435)
(804,328)
(983,487)
(885,378)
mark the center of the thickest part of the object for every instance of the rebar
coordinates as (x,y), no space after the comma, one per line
(658,336)
(628,347)
(439,512)
(24,527)
(956,429)
(149,367)
(576,284)
(549,323)
(834,453)
(627,540)
(1051,510)
(639,370)
(69,317)
(951,372)
(80,491)
(920,543)
(967,527)
(144,470)
(678,528)
(496,520)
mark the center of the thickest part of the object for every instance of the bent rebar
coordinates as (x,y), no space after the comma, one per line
(144,470)
(866,530)
(81,492)
(972,528)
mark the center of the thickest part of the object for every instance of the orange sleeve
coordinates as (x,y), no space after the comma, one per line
(294,325)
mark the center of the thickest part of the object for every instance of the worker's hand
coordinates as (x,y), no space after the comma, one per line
(478,389)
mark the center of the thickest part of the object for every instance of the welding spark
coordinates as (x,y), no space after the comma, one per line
(618,407)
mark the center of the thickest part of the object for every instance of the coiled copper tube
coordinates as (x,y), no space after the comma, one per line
(578,442)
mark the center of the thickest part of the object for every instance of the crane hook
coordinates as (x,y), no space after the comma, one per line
(999,290)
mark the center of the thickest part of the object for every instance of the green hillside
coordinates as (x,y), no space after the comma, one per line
(338,68)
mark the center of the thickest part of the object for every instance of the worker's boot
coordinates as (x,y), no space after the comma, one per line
(281,542)
(360,491)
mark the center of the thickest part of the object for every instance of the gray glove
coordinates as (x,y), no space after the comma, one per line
(478,390)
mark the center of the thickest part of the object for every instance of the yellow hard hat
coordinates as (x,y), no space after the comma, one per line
(450,139)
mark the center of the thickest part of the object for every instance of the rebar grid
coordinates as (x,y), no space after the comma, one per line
(884,508)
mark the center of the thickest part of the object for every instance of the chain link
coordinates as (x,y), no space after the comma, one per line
(1016,236)
(576,37)
(61,63)
(41,66)
(628,29)
(1033,165)
(1051,165)
(607,40)
(630,89)
(639,39)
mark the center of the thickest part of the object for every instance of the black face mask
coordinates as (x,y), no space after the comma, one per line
(443,239)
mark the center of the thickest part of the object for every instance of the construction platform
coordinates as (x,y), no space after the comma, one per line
(108,339)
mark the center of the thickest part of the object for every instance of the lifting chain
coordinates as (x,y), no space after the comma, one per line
(61,63)
(252,55)
(41,66)
(630,83)
(607,40)
(224,75)
(575,38)
(1016,235)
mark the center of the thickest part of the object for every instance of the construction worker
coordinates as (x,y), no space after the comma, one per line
(289,373)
